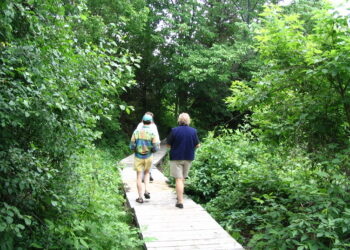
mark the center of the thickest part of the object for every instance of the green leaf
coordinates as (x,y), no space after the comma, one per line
(2,227)
(321,234)
(26,103)
(36,245)
(27,221)
(304,237)
(84,243)
(128,68)
(9,220)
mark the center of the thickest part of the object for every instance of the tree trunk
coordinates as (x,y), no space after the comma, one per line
(177,103)
(347,111)
(248,12)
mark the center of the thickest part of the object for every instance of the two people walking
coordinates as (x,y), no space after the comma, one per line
(182,141)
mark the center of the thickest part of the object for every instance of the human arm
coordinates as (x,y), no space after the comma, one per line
(197,144)
(155,145)
(132,145)
(155,131)
(169,139)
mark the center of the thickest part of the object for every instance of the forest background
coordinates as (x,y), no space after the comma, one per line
(267,88)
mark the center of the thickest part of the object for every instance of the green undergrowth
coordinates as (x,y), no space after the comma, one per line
(100,214)
(92,215)
(98,219)
(272,197)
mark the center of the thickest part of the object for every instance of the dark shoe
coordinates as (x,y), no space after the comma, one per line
(147,195)
(179,205)
(150,178)
(139,200)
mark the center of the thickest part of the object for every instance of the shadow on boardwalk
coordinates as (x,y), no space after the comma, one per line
(164,226)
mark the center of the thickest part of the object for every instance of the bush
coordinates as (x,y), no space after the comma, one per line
(92,214)
(54,88)
(268,199)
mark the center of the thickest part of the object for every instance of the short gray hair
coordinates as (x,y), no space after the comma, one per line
(184,119)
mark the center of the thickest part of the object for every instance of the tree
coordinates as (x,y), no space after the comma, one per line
(302,96)
(191,52)
(58,79)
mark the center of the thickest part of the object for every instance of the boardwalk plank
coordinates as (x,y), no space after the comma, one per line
(164,226)
(194,225)
(194,235)
(214,246)
(183,244)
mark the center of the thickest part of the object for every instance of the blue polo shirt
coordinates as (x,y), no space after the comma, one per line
(183,140)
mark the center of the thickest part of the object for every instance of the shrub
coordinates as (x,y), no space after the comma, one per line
(92,213)
(268,199)
(54,88)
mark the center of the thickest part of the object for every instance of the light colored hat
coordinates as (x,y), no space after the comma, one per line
(147,118)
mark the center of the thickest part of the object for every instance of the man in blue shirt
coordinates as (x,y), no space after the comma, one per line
(183,141)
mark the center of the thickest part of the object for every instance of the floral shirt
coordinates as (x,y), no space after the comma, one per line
(144,142)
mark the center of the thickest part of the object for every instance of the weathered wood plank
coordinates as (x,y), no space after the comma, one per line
(181,219)
(214,246)
(194,244)
(193,235)
(164,226)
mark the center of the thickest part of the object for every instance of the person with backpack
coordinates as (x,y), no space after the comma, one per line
(144,143)
(154,128)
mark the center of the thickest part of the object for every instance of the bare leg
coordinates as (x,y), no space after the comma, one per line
(180,190)
(139,183)
(146,180)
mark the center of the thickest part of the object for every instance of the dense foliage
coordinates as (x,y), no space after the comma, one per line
(72,72)
(91,214)
(271,197)
(302,94)
(282,182)
(62,70)
(191,52)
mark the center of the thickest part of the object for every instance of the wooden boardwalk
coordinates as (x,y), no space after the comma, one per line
(165,226)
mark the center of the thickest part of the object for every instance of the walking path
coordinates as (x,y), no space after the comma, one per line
(165,226)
